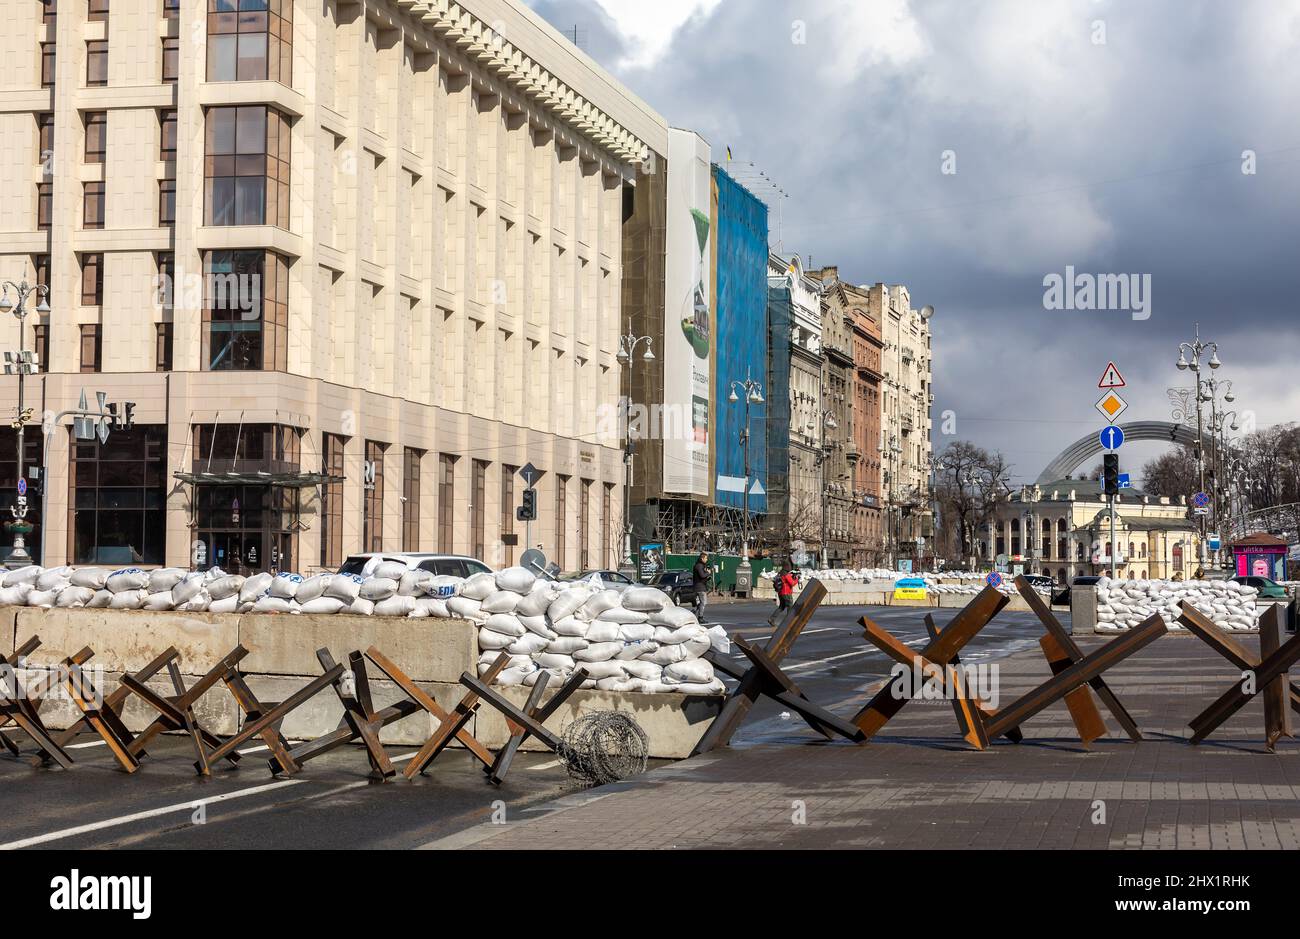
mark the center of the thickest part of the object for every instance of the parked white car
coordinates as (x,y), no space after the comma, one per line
(452,565)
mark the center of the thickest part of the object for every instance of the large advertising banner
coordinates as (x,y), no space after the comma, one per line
(688,321)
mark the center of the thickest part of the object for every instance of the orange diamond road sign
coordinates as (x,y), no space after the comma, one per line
(1112,406)
(1111,378)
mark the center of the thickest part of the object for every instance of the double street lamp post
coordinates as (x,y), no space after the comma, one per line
(627,346)
(1189,357)
(827,423)
(753,392)
(25,364)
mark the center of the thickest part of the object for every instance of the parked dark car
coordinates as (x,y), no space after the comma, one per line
(677,584)
(1062,596)
(613,578)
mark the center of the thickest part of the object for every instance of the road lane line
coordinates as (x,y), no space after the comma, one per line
(846,655)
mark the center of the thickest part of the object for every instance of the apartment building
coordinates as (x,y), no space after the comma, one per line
(354,262)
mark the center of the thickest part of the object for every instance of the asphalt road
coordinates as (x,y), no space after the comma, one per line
(333,805)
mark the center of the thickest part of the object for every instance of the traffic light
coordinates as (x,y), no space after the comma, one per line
(128,420)
(1110,472)
(112,414)
(528,511)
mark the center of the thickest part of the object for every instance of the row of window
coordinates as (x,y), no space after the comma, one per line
(331,546)
(248,40)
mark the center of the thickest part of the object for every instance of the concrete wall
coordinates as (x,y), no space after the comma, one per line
(433,652)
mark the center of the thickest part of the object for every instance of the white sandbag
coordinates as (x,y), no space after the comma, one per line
(502,601)
(636,633)
(513,677)
(312,587)
(570,626)
(55,578)
(507,624)
(16,595)
(568,603)
(42,598)
(623,617)
(645,599)
(321,606)
(646,671)
(538,625)
(165,578)
(255,587)
(389,570)
(517,580)
(360,606)
(599,670)
(465,608)
(73,597)
(378,588)
(436,606)
(129,578)
(699,644)
(444,586)
(719,641)
(154,601)
(567,645)
(92,577)
(488,639)
(535,604)
(672,617)
(414,583)
(228,604)
(486,659)
(714,687)
(271,604)
(600,602)
(24,575)
(636,650)
(196,604)
(552,675)
(479,587)
(599,631)
(419,608)
(100,601)
(225,587)
(285,586)
(598,652)
(691,670)
(187,589)
(668,655)
(345,587)
(527,644)
(622,685)
(554,660)
(395,606)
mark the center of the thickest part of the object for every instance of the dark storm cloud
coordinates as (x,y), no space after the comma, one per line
(1114,156)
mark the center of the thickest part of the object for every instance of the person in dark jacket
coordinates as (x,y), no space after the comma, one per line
(701,574)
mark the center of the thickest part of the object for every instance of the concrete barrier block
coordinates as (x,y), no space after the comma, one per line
(8,628)
(128,640)
(427,649)
(674,723)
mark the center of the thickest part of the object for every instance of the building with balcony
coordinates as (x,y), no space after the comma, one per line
(355,263)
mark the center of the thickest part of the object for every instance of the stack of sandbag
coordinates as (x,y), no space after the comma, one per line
(1123,604)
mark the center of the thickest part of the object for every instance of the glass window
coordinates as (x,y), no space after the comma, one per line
(93,205)
(49,10)
(171,59)
(96,136)
(331,506)
(97,62)
(90,347)
(97,11)
(561,517)
(411,499)
(171,9)
(45,146)
(246,311)
(166,202)
(118,497)
(92,279)
(446,501)
(372,510)
(167,136)
(44,205)
(250,40)
(508,510)
(584,520)
(478,507)
(246,170)
(163,347)
(47,65)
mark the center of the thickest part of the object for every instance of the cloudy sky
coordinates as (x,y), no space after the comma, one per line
(1103,134)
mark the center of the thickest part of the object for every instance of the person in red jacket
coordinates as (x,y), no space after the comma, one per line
(786,581)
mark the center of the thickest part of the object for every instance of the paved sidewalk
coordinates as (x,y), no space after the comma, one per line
(919,786)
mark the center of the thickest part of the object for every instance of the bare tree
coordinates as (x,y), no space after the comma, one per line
(1172,474)
(970,483)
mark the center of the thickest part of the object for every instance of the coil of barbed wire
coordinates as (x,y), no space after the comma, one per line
(604,747)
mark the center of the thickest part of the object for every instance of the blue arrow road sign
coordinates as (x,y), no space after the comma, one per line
(1125,481)
(1112,437)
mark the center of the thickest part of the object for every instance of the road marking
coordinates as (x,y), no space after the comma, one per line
(549,765)
(846,655)
(82,746)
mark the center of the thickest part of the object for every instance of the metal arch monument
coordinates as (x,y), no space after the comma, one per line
(1085,447)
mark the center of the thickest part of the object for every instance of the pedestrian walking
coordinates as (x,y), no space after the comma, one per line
(786,581)
(701,575)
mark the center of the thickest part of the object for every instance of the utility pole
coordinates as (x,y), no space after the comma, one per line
(25,364)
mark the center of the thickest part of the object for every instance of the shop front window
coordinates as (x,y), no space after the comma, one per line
(117,498)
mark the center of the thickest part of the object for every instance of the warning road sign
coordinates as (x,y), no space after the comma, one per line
(1112,406)
(1111,378)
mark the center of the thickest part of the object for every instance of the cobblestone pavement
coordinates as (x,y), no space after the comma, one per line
(917,785)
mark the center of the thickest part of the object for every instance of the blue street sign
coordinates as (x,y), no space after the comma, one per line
(22,487)
(994,579)
(1125,481)
(1112,437)
(1201,500)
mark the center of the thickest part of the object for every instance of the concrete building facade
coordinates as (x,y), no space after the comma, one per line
(354,262)
(839,455)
